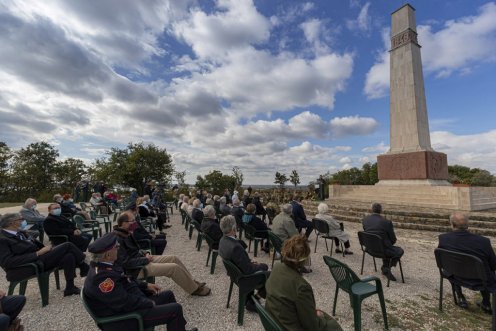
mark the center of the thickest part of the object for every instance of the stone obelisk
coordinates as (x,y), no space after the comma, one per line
(410,159)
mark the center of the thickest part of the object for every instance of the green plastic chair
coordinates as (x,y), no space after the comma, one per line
(275,242)
(104,320)
(194,225)
(146,244)
(183,216)
(245,283)
(250,232)
(358,289)
(87,226)
(43,281)
(55,236)
(187,222)
(268,322)
(211,251)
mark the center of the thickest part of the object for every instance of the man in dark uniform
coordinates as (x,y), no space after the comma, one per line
(17,247)
(108,292)
(377,224)
(299,216)
(461,240)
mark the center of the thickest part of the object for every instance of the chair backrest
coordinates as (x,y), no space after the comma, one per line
(232,270)
(210,241)
(249,231)
(78,220)
(342,274)
(103,210)
(196,225)
(84,206)
(268,322)
(320,226)
(371,243)
(460,265)
(275,241)
(271,213)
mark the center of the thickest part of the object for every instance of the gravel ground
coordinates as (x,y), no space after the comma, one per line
(412,305)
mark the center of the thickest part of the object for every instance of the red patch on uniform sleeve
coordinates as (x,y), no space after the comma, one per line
(106,286)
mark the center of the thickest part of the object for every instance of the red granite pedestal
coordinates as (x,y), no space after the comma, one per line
(413,165)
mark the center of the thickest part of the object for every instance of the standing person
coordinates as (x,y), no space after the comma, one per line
(232,250)
(461,240)
(290,299)
(299,216)
(77,191)
(377,224)
(108,293)
(10,308)
(17,248)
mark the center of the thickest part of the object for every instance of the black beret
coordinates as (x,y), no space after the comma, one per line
(103,244)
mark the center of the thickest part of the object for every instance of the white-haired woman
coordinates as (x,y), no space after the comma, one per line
(334,229)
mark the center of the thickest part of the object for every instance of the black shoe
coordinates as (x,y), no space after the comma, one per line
(84,269)
(72,291)
(250,306)
(266,250)
(338,250)
(461,301)
(348,252)
(390,276)
(485,308)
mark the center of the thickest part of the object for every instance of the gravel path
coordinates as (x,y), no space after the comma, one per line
(412,305)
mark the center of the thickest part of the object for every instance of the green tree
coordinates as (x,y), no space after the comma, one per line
(69,172)
(215,182)
(280,179)
(34,169)
(294,178)
(482,178)
(181,178)
(459,174)
(5,156)
(238,176)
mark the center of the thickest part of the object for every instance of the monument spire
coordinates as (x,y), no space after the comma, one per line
(409,123)
(410,159)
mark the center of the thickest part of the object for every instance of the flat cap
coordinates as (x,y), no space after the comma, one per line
(103,244)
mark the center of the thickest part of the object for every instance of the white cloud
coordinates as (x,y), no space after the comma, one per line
(472,150)
(459,45)
(352,125)
(363,22)
(379,148)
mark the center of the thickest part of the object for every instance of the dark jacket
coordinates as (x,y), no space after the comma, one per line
(211,227)
(109,293)
(473,244)
(291,302)
(237,212)
(129,255)
(298,212)
(232,250)
(145,212)
(14,251)
(258,204)
(60,225)
(197,215)
(377,224)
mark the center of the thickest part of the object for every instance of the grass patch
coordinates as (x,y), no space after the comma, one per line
(10,204)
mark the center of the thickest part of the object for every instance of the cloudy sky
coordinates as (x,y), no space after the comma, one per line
(264,85)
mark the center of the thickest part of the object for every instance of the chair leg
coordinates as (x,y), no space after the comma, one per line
(335,301)
(190,232)
(357,313)
(12,287)
(241,308)
(316,241)
(390,262)
(214,258)
(229,295)
(383,307)
(441,294)
(363,260)
(255,251)
(375,265)
(332,247)
(327,247)
(273,258)
(401,270)
(249,246)
(493,295)
(342,247)
(208,256)
(43,285)
(454,295)
(22,287)
(57,278)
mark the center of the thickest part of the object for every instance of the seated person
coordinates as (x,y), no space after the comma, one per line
(32,215)
(260,209)
(224,209)
(144,209)
(17,248)
(299,216)
(96,200)
(232,250)
(261,228)
(283,225)
(334,229)
(68,206)
(10,308)
(237,211)
(246,199)
(108,293)
(56,224)
(272,210)
(131,256)
(377,224)
(290,299)
(196,212)
(159,241)
(185,204)
(461,240)
(210,225)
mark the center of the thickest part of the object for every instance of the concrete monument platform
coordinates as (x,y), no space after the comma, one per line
(411,173)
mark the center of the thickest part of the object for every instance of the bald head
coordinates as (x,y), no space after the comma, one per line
(459,221)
